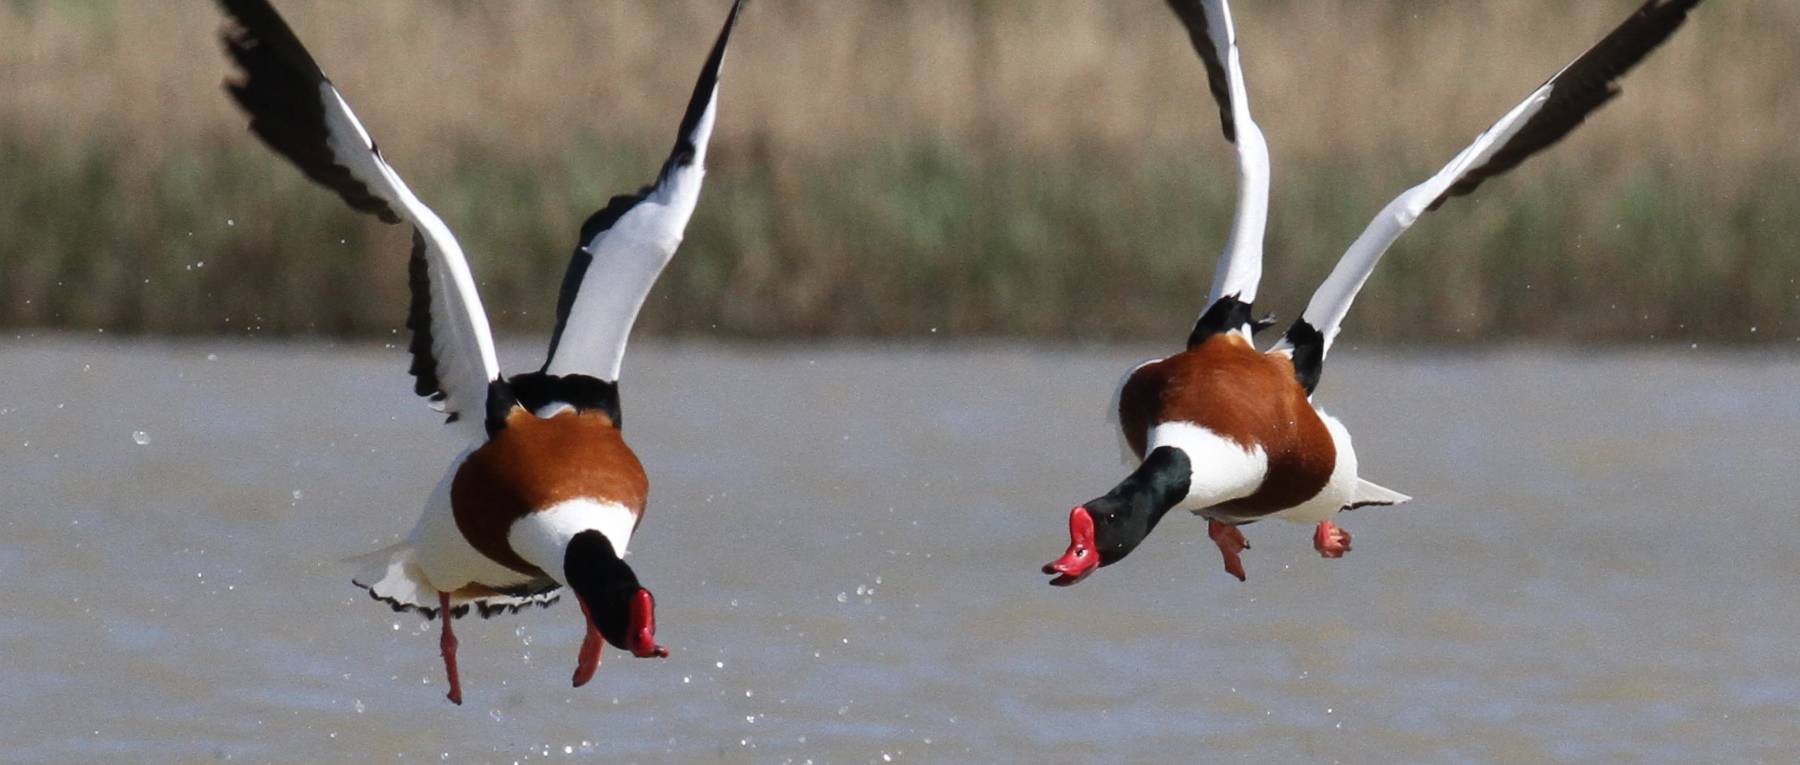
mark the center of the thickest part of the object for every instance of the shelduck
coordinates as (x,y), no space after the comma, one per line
(1230,433)
(546,494)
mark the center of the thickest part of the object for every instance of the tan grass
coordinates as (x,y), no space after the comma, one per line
(1359,98)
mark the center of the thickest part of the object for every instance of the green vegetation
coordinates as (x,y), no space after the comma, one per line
(990,170)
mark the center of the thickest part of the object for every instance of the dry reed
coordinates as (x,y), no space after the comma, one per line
(1047,168)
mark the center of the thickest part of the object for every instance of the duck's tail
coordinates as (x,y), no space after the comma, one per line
(392,576)
(1370,494)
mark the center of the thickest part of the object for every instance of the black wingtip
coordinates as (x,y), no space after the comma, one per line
(686,144)
(280,87)
(1581,89)
(256,23)
(1193,16)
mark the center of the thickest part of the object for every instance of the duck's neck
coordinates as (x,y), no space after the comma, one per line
(1144,497)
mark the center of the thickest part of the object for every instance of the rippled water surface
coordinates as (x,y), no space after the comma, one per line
(1600,566)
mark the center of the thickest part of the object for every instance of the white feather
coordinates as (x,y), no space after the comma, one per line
(1240,266)
(627,259)
(1325,312)
(462,344)
(1222,469)
(628,256)
(542,538)
(444,555)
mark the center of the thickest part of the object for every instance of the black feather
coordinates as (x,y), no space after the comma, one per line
(1193,16)
(1581,89)
(282,90)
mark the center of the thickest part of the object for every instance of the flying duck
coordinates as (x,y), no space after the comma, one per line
(546,494)
(1229,432)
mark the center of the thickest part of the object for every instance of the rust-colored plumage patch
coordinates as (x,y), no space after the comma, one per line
(1229,388)
(532,464)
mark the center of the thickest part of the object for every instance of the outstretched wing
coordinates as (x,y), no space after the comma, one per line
(1548,114)
(1240,267)
(625,245)
(298,112)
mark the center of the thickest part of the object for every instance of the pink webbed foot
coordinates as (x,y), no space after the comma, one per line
(447,646)
(1230,542)
(1331,541)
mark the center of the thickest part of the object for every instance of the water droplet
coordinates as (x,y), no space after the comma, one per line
(298,495)
(358,706)
(843,597)
(141,438)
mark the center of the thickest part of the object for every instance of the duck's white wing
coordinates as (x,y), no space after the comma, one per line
(301,115)
(1234,285)
(1545,117)
(625,245)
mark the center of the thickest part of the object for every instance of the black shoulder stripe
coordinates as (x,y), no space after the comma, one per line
(1224,315)
(1309,354)
(534,390)
(501,398)
(1581,89)
(424,367)
(280,90)
(685,148)
(1193,16)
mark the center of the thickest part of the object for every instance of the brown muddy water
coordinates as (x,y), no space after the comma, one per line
(1600,566)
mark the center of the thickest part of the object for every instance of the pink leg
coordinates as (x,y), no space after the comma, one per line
(588,660)
(447,646)
(1331,541)
(1230,542)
